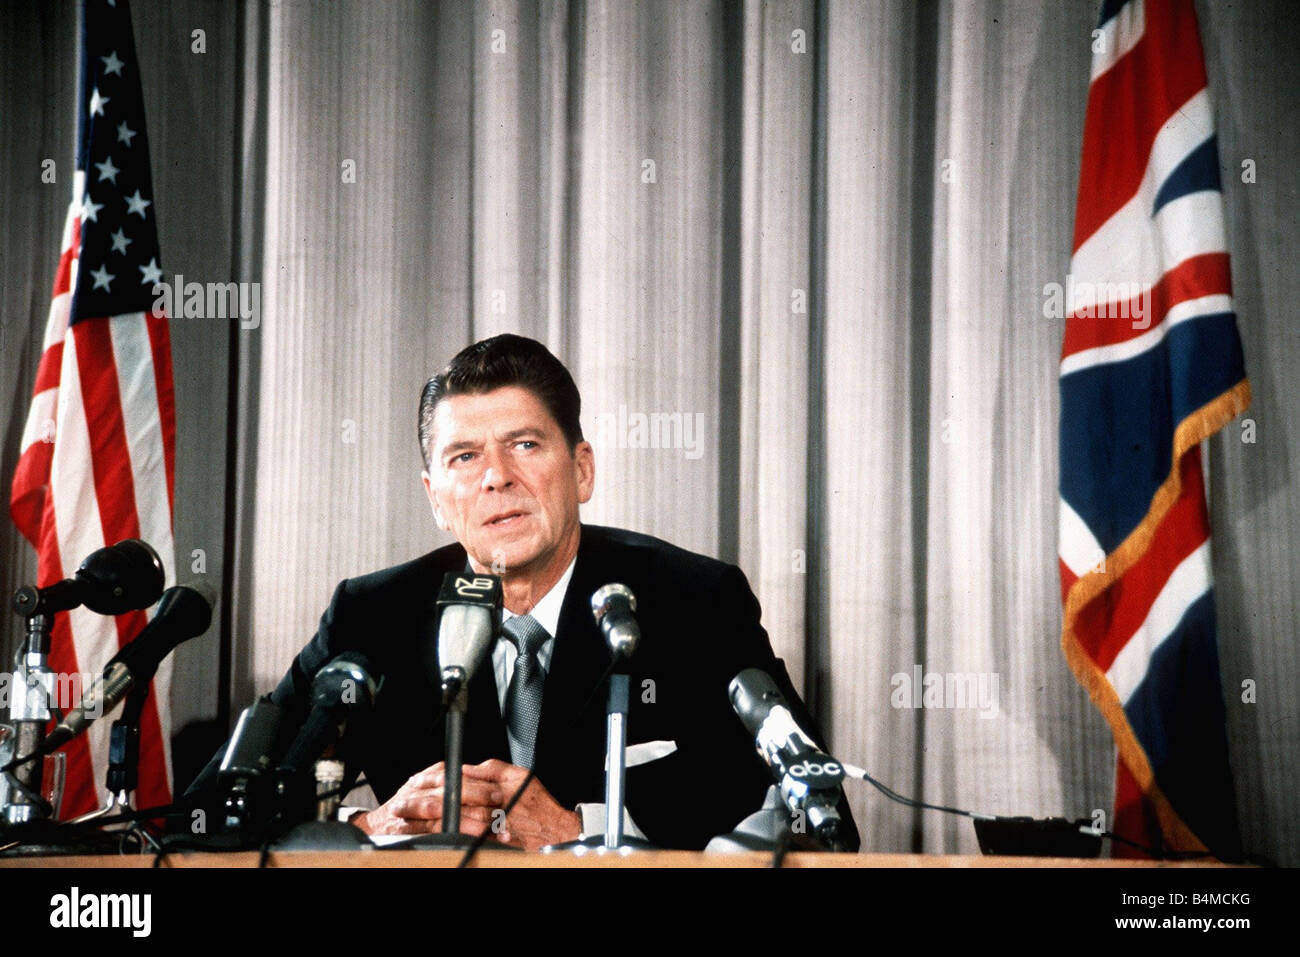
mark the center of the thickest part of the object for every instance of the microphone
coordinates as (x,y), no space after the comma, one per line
(184,612)
(246,779)
(469,623)
(809,779)
(613,605)
(342,686)
(253,745)
(111,581)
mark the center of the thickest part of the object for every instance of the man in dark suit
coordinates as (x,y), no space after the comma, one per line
(506,468)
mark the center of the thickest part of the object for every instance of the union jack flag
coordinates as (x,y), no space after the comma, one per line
(1151,366)
(98,450)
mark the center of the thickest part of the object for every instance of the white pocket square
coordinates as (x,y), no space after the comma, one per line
(646,751)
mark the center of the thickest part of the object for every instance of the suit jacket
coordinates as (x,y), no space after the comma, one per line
(700,626)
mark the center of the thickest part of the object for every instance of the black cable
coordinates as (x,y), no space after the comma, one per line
(912,802)
(1109,835)
(19,762)
(36,799)
(144,814)
(343,790)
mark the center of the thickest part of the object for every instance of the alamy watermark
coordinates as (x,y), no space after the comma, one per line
(1101,300)
(651,430)
(65,691)
(75,909)
(951,689)
(209,300)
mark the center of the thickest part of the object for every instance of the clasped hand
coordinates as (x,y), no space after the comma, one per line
(535,821)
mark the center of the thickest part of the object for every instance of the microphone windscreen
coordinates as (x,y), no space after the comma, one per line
(613,607)
(348,679)
(184,612)
(465,635)
(121,578)
(469,621)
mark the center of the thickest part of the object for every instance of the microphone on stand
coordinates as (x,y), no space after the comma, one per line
(809,779)
(614,607)
(111,581)
(246,779)
(340,688)
(469,624)
(188,611)
(184,612)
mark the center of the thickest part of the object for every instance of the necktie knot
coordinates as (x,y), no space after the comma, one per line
(525,633)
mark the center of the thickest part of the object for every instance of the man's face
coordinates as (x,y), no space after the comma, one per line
(503,480)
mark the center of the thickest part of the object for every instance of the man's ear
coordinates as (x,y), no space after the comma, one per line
(433,500)
(584,461)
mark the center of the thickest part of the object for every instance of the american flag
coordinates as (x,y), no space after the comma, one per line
(98,450)
(1151,366)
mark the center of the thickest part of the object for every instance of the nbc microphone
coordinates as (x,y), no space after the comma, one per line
(470,620)
(469,623)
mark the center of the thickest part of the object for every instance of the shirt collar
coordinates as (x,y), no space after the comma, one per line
(547,610)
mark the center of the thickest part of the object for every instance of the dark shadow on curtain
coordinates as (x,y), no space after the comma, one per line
(816,683)
(925,82)
(731,82)
(248,218)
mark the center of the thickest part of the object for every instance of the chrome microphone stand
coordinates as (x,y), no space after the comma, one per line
(29,713)
(613,605)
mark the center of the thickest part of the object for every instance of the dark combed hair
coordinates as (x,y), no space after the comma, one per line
(504,360)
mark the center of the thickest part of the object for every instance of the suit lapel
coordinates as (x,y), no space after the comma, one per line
(485,731)
(568,739)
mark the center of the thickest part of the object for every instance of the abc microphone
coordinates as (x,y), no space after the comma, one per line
(809,779)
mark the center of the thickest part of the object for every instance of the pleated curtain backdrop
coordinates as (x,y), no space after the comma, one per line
(799,250)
